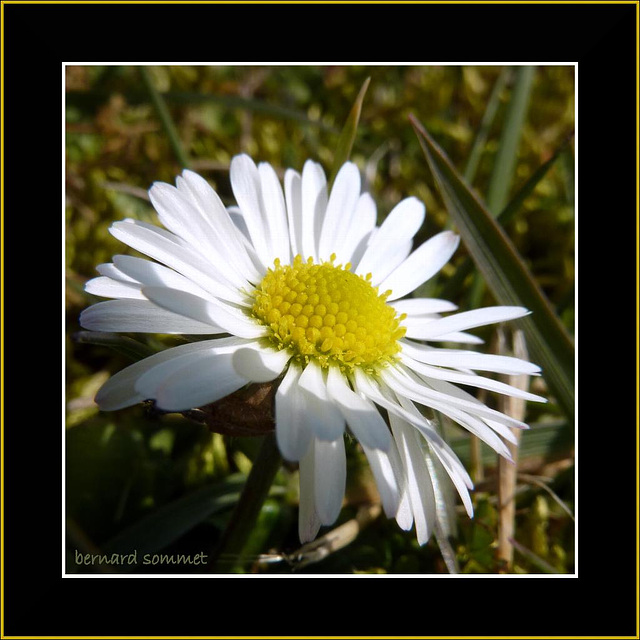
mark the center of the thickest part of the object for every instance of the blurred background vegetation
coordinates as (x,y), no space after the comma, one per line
(165,484)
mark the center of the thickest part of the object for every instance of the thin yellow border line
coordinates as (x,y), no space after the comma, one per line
(154,2)
(637,320)
(2,317)
(362,2)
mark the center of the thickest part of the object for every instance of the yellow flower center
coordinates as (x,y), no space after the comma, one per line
(326,313)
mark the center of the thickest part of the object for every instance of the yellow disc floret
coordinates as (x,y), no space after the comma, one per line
(326,313)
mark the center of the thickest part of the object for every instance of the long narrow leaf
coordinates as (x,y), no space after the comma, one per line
(124,345)
(505,162)
(165,118)
(171,521)
(348,134)
(94,98)
(506,274)
(524,191)
(488,117)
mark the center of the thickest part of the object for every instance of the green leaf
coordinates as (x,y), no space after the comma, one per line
(454,283)
(530,184)
(505,161)
(94,98)
(488,117)
(165,118)
(348,134)
(506,274)
(124,345)
(171,521)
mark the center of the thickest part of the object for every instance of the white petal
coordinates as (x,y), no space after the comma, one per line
(344,196)
(449,461)
(229,238)
(324,418)
(387,472)
(504,432)
(419,484)
(466,414)
(153,274)
(361,415)
(404,516)
(208,379)
(419,328)
(457,336)
(500,423)
(406,386)
(119,391)
(259,364)
(459,359)
(468,379)
(423,306)
(157,244)
(397,230)
(330,475)
(388,261)
(422,264)
(175,213)
(180,214)
(308,522)
(110,270)
(275,212)
(314,205)
(217,314)
(148,383)
(467,320)
(409,413)
(293,199)
(110,288)
(245,182)
(141,316)
(362,224)
(293,433)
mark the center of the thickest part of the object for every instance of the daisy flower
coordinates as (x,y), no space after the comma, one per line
(298,285)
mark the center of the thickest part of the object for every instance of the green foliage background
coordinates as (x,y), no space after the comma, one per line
(170,481)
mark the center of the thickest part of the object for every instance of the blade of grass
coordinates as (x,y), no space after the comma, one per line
(485,125)
(171,521)
(505,161)
(165,118)
(535,560)
(453,284)
(92,99)
(506,158)
(506,274)
(124,345)
(348,133)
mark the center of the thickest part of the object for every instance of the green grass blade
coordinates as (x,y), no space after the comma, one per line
(126,346)
(91,100)
(454,283)
(506,274)
(348,134)
(505,162)
(171,521)
(531,183)
(488,117)
(165,118)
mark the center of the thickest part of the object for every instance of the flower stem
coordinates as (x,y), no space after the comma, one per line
(243,519)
